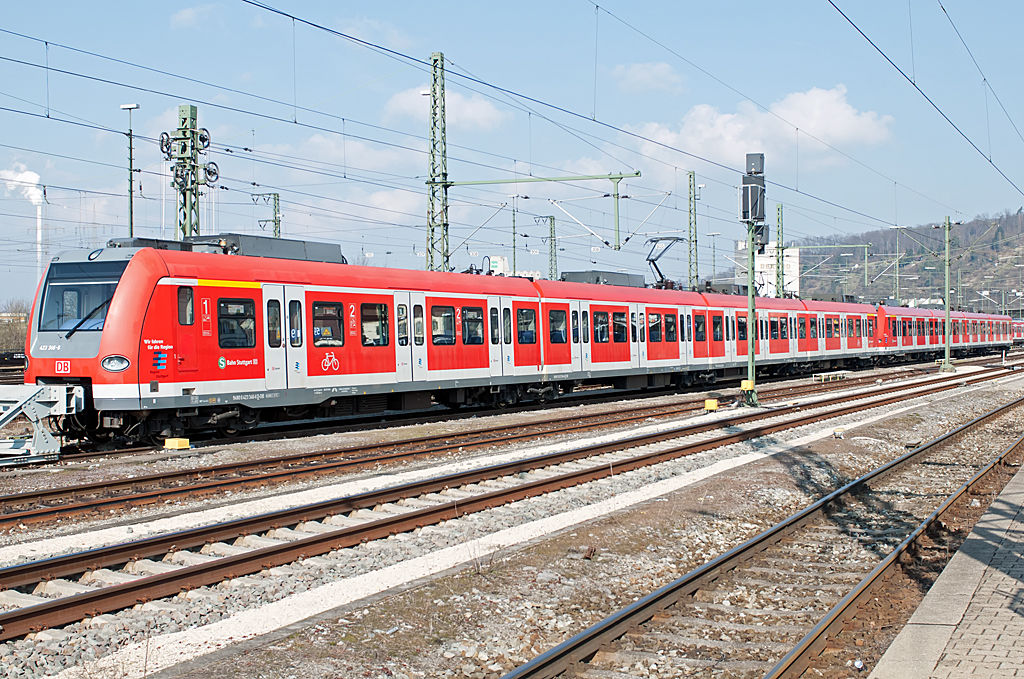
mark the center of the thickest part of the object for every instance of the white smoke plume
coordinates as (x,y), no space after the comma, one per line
(24,180)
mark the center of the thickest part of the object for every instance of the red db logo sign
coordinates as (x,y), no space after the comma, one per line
(63,367)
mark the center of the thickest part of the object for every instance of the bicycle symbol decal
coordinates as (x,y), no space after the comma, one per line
(330,362)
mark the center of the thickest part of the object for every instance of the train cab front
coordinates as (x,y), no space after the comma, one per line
(84,330)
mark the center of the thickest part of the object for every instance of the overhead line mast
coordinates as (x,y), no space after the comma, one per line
(437,208)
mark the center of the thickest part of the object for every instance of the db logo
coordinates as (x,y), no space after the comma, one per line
(63,367)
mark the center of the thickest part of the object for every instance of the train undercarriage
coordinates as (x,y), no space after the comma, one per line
(152,426)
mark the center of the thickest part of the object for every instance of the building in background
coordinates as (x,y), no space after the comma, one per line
(764,269)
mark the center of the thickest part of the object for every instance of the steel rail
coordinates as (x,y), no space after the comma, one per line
(70,609)
(205,481)
(794,663)
(290,430)
(588,642)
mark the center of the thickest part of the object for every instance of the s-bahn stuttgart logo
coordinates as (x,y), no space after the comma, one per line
(221,363)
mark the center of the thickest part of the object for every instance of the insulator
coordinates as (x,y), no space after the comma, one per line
(165,144)
(212,172)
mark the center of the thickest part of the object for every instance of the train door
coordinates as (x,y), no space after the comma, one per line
(700,334)
(295,338)
(494,335)
(716,321)
(508,329)
(576,335)
(403,338)
(418,303)
(730,336)
(586,335)
(185,329)
(274,360)
(637,336)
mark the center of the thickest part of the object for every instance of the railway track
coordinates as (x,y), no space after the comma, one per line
(771,606)
(108,496)
(78,452)
(65,589)
(12,375)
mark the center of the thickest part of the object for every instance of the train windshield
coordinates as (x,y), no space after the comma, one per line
(77,295)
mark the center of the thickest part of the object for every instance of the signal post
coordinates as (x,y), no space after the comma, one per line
(751,213)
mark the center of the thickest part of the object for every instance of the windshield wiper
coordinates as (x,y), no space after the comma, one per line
(89,315)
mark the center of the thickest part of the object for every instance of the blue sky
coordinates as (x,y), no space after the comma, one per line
(708,81)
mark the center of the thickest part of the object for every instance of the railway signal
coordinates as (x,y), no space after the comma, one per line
(751,212)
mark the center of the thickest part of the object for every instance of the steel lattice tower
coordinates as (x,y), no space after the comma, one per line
(692,243)
(437,208)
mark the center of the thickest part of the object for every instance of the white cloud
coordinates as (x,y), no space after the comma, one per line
(647,77)
(24,181)
(726,137)
(190,16)
(473,112)
(359,155)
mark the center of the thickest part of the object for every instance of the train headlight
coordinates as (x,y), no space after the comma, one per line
(115,364)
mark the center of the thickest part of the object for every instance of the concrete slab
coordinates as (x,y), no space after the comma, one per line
(60,588)
(223,549)
(144,567)
(287,534)
(256,542)
(52,635)
(104,577)
(186,558)
(10,598)
(315,527)
(914,652)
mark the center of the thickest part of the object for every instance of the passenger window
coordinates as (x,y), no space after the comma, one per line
(402,325)
(274,323)
(526,326)
(654,327)
(716,328)
(632,327)
(699,329)
(741,328)
(575,327)
(418,334)
(495,327)
(802,328)
(506,324)
(689,329)
(328,325)
(643,329)
(586,327)
(442,325)
(775,328)
(619,330)
(600,327)
(783,334)
(814,328)
(295,323)
(556,326)
(472,325)
(186,308)
(671,333)
(236,323)
(374,320)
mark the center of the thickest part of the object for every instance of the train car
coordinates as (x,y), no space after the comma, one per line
(223,332)
(1017,330)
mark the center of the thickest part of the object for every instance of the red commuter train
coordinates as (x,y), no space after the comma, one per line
(224,332)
